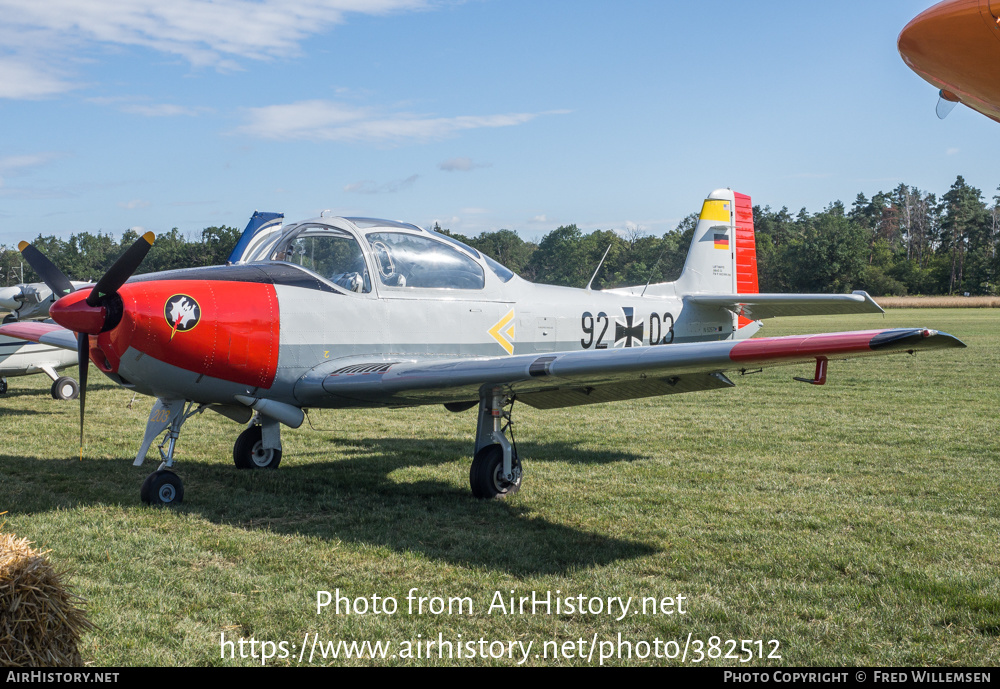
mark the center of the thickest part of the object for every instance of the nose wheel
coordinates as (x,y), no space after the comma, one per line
(162,487)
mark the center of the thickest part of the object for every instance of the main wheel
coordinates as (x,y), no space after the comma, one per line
(3,386)
(9,318)
(65,388)
(486,474)
(249,452)
(162,488)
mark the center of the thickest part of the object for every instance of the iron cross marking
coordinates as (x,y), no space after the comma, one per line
(628,334)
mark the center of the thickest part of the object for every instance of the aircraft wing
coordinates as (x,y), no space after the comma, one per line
(45,333)
(563,379)
(759,306)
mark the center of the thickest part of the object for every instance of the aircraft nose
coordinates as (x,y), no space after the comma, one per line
(73,313)
(9,298)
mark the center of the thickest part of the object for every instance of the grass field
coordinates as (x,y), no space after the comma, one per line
(939,302)
(855,523)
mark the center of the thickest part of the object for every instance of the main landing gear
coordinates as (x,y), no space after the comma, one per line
(249,451)
(63,387)
(496,469)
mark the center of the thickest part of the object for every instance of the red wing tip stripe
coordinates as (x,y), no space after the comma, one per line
(832,344)
(28,331)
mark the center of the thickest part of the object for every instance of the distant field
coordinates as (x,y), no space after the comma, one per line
(853,524)
(939,302)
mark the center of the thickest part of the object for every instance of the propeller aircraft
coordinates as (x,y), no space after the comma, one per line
(20,358)
(357,312)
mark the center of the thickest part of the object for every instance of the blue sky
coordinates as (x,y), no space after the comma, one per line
(478,114)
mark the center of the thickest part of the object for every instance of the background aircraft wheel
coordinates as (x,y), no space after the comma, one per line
(3,386)
(485,476)
(249,452)
(65,388)
(9,318)
(162,488)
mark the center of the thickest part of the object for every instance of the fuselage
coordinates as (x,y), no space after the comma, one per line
(378,293)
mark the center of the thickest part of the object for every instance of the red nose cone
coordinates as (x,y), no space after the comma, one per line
(73,313)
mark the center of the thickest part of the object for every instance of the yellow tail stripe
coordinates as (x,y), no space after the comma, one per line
(716,210)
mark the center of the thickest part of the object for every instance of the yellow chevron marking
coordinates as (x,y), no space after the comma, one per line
(715,210)
(503,332)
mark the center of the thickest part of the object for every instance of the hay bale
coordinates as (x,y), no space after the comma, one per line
(40,620)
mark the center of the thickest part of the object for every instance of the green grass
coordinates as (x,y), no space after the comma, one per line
(856,523)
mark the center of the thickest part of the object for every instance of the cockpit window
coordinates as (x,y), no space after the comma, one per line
(330,253)
(409,260)
(500,270)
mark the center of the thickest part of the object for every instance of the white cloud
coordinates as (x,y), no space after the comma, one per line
(461,164)
(21,164)
(322,120)
(370,187)
(951,151)
(204,32)
(21,80)
(163,110)
(135,203)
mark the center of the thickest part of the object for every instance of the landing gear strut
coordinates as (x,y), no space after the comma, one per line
(496,468)
(164,487)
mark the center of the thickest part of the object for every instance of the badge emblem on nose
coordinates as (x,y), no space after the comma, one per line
(182,313)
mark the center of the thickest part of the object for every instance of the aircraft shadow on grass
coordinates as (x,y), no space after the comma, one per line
(357,500)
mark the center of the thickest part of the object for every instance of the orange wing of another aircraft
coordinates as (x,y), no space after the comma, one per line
(955,45)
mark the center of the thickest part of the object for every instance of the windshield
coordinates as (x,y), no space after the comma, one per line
(330,253)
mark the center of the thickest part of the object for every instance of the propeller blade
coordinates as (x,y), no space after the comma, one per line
(122,269)
(83,358)
(51,276)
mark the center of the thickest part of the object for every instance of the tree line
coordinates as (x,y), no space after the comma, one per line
(901,242)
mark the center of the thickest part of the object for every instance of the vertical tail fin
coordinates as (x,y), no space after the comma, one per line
(722,258)
(723,254)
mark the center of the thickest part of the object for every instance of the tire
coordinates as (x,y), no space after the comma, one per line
(3,386)
(65,388)
(485,475)
(249,452)
(162,488)
(9,318)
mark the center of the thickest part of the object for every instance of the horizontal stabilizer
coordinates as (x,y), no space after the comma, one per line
(758,306)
